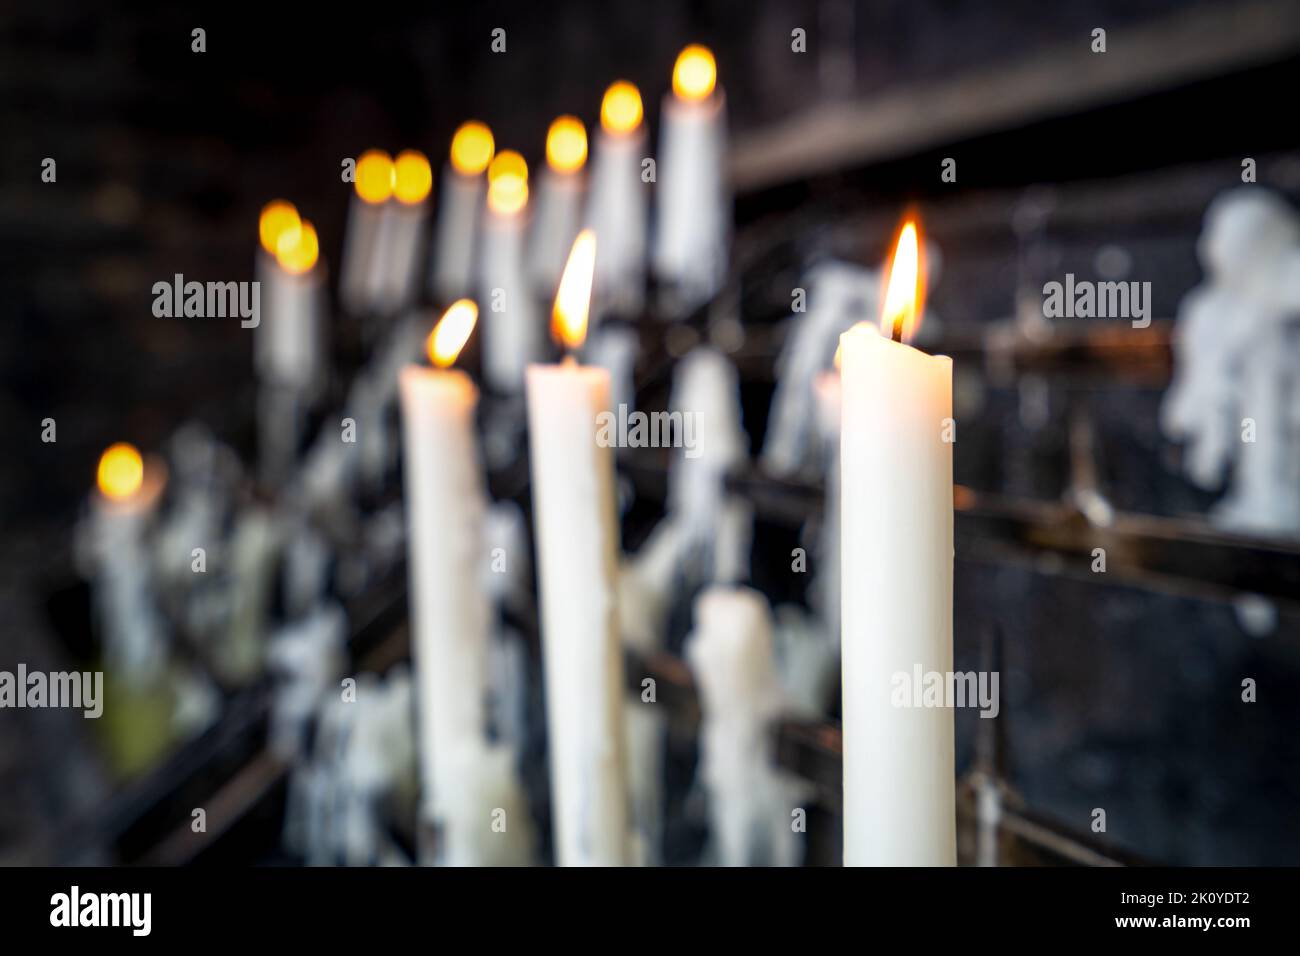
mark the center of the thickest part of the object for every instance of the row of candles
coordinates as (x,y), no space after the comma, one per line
(895,476)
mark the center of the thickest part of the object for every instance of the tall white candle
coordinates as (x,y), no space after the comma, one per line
(897,517)
(460,203)
(577,547)
(616,204)
(362,278)
(511,334)
(446,507)
(289,346)
(122,506)
(559,201)
(402,238)
(693,226)
(288,341)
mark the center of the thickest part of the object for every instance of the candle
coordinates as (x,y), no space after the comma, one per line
(559,200)
(362,276)
(616,206)
(122,507)
(459,202)
(446,507)
(510,331)
(896,533)
(288,343)
(730,652)
(403,232)
(577,548)
(690,250)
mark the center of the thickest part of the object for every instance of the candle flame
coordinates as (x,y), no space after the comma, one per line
(298,249)
(566,145)
(277,217)
(507,183)
(904,300)
(471,148)
(412,177)
(839,351)
(121,471)
(573,298)
(620,110)
(695,73)
(452,332)
(375,176)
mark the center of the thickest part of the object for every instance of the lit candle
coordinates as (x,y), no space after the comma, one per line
(402,236)
(459,202)
(511,337)
(288,344)
(559,201)
(361,276)
(577,550)
(690,249)
(446,507)
(896,533)
(616,206)
(289,350)
(122,506)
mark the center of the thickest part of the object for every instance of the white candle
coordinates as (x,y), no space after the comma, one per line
(402,238)
(511,333)
(692,230)
(730,651)
(616,205)
(289,348)
(288,341)
(896,481)
(460,202)
(362,278)
(577,548)
(446,506)
(559,201)
(123,504)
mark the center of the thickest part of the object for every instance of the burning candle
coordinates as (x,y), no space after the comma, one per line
(289,350)
(896,534)
(288,339)
(616,207)
(510,333)
(559,201)
(361,277)
(690,250)
(446,508)
(122,507)
(577,550)
(402,237)
(459,203)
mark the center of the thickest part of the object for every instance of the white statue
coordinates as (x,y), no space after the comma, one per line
(1235,398)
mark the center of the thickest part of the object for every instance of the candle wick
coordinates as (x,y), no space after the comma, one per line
(897,334)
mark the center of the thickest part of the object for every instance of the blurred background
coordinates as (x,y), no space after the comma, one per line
(1119,691)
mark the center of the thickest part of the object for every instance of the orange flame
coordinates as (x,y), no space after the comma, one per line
(695,73)
(452,332)
(121,471)
(904,300)
(573,299)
